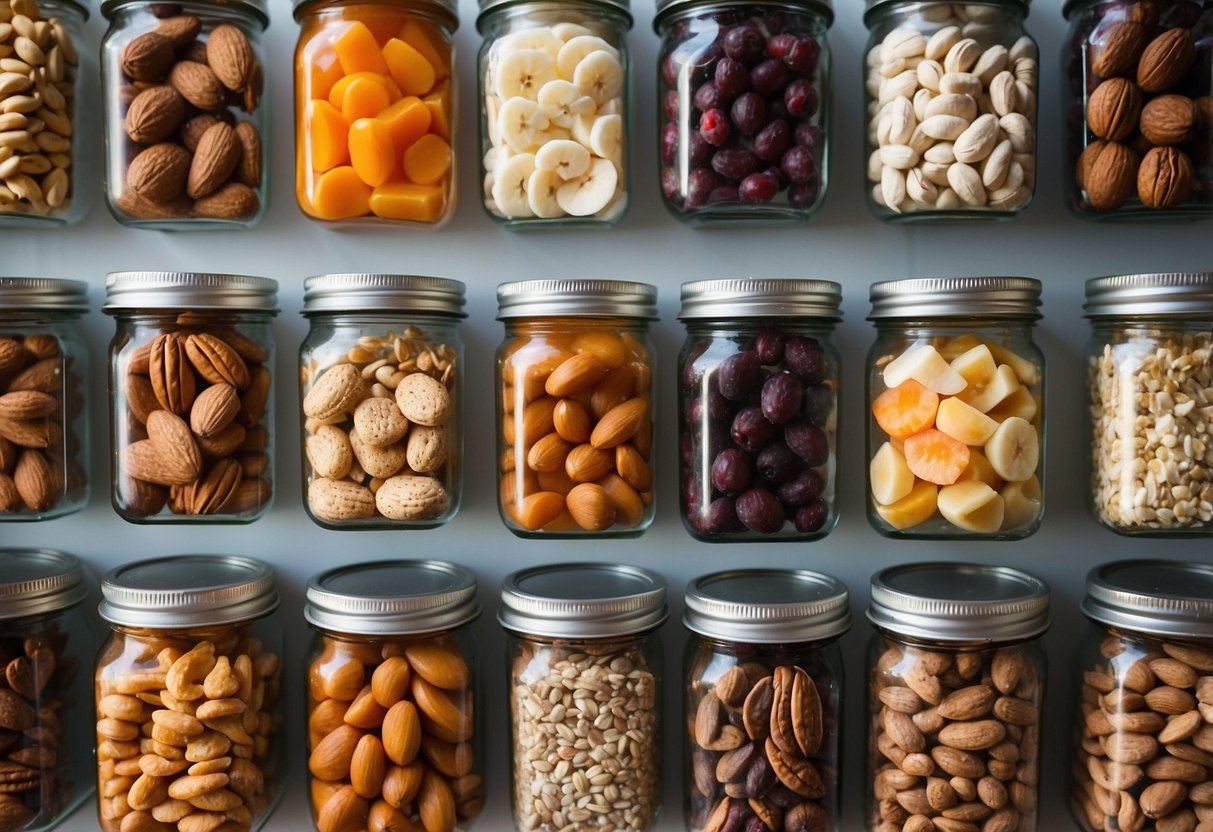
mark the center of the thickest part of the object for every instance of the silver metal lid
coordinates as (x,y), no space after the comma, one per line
(446,8)
(942,297)
(872,5)
(767,606)
(582,600)
(1176,294)
(355,292)
(1158,597)
(582,298)
(189,290)
(761,297)
(257,8)
(43,294)
(669,8)
(959,602)
(486,6)
(188,591)
(392,597)
(38,581)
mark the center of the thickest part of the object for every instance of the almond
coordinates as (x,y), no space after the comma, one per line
(159,172)
(1160,799)
(537,510)
(344,811)
(335,391)
(367,767)
(444,714)
(25,433)
(198,85)
(154,114)
(426,449)
(249,170)
(10,499)
(181,30)
(329,452)
(175,445)
(13,356)
(27,404)
(548,454)
(380,461)
(215,160)
(572,421)
(215,361)
(170,373)
(390,681)
(632,466)
(339,500)
(968,703)
(140,397)
(575,374)
(591,507)
(211,493)
(435,803)
(45,376)
(224,443)
(192,130)
(402,732)
(423,400)
(585,463)
(35,481)
(1166,60)
(442,665)
(230,55)
(214,409)
(147,57)
(256,396)
(629,507)
(330,760)
(139,207)
(141,498)
(406,497)
(972,736)
(379,421)
(620,423)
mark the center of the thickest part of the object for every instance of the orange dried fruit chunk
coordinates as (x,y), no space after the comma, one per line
(323,73)
(403,201)
(364,98)
(439,102)
(432,46)
(906,409)
(358,51)
(336,95)
(341,194)
(428,160)
(327,135)
(408,68)
(371,151)
(407,120)
(936,457)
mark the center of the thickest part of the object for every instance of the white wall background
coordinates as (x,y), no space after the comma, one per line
(843,243)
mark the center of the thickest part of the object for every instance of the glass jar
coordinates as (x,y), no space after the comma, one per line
(43,367)
(393,458)
(744,90)
(1140,743)
(759,377)
(1139,110)
(191,396)
(185,124)
(554,134)
(956,678)
(1149,386)
(575,382)
(956,399)
(764,699)
(584,627)
(391,680)
(375,111)
(951,105)
(188,693)
(46,639)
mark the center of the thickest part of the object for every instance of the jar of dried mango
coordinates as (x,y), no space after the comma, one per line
(374,110)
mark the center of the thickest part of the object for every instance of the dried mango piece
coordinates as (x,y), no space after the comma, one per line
(402,201)
(408,68)
(408,120)
(439,104)
(341,194)
(364,98)
(327,135)
(428,160)
(427,40)
(371,151)
(358,51)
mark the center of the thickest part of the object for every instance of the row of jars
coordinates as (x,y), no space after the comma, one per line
(951,110)
(187,696)
(955,382)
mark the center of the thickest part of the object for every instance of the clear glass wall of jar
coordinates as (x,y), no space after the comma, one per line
(744,90)
(764,699)
(956,403)
(188,693)
(185,120)
(392,737)
(1139,110)
(375,105)
(956,678)
(595,625)
(1149,388)
(951,110)
(554,89)
(191,396)
(393,458)
(575,397)
(43,368)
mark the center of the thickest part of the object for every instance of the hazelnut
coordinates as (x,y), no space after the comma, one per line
(1114,108)
(1165,178)
(1169,119)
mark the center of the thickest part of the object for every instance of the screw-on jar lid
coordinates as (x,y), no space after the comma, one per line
(447,8)
(581,298)
(872,5)
(668,8)
(355,292)
(43,294)
(39,581)
(188,591)
(257,8)
(189,290)
(1188,294)
(767,606)
(582,600)
(959,602)
(392,597)
(963,297)
(1157,597)
(622,6)
(761,297)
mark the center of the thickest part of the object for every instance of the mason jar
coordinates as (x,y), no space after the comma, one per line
(375,104)
(1149,384)
(956,399)
(380,385)
(555,109)
(744,91)
(1138,110)
(191,396)
(758,393)
(764,699)
(951,110)
(46,641)
(188,694)
(575,393)
(43,372)
(391,735)
(186,144)
(584,627)
(956,678)
(1145,666)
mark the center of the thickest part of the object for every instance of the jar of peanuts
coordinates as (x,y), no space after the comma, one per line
(955,687)
(584,695)
(188,695)
(191,396)
(575,396)
(392,736)
(381,377)
(956,397)
(764,699)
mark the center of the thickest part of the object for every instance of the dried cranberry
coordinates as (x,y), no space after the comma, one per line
(770,77)
(769,346)
(808,442)
(669,143)
(732,470)
(760,511)
(707,97)
(745,43)
(734,163)
(686,448)
(714,127)
(700,184)
(811,518)
(809,135)
(805,357)
(751,430)
(672,105)
(798,164)
(723,194)
(818,404)
(749,113)
(778,46)
(721,517)
(773,140)
(739,375)
(701,150)
(758,188)
(671,185)
(703,63)
(802,57)
(777,464)
(800,98)
(781,396)
(670,68)
(803,194)
(801,489)
(732,78)
(692,492)
(692,372)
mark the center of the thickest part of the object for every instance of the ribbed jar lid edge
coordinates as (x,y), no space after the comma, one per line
(381,291)
(249,592)
(708,612)
(761,297)
(991,296)
(549,616)
(402,614)
(577,298)
(1188,294)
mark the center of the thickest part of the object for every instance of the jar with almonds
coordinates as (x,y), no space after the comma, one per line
(43,405)
(188,695)
(191,396)
(392,737)
(584,687)
(764,700)
(575,393)
(955,687)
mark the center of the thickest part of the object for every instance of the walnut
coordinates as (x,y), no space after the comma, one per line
(1165,178)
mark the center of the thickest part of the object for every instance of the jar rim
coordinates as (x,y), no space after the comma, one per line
(1151,294)
(582,601)
(189,290)
(1157,597)
(43,294)
(576,298)
(39,581)
(448,8)
(375,292)
(392,597)
(871,6)
(761,297)
(767,606)
(188,591)
(667,9)
(257,8)
(956,297)
(80,6)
